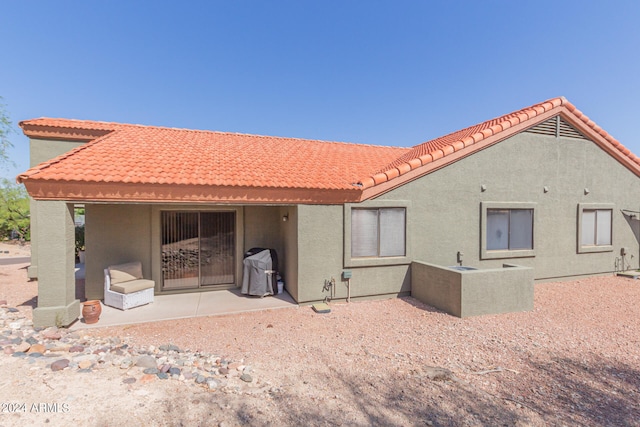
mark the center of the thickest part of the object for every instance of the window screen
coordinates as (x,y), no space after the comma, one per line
(364,232)
(509,229)
(521,229)
(378,232)
(596,227)
(392,232)
(497,229)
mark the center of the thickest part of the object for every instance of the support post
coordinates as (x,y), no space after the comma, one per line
(32,270)
(57,305)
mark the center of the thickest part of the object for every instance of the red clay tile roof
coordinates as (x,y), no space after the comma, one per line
(135,154)
(146,163)
(453,146)
(77,130)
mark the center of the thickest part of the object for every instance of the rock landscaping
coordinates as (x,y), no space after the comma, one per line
(58,349)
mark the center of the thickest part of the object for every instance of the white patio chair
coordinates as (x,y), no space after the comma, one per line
(124,286)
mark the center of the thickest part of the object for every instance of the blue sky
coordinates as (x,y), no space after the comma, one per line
(376,72)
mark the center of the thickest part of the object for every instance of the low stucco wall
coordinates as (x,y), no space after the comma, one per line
(473,292)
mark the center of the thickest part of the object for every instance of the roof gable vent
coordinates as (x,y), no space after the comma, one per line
(568,131)
(558,127)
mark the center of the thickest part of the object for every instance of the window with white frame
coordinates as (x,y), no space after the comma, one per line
(595,227)
(378,232)
(507,230)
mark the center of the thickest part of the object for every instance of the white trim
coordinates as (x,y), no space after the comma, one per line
(376,261)
(583,249)
(500,254)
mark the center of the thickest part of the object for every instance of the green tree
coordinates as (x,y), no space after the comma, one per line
(14,211)
(5,131)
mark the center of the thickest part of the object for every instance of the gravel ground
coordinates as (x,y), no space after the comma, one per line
(573,360)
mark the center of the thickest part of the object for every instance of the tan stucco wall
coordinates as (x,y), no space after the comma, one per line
(264,226)
(445,211)
(115,234)
(290,238)
(309,245)
(319,249)
(444,216)
(263,229)
(321,257)
(39,151)
(57,303)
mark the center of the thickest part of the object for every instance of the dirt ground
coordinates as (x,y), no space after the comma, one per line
(573,360)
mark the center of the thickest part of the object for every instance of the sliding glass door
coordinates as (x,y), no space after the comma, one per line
(198,249)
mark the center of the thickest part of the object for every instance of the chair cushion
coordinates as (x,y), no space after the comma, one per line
(125,272)
(132,286)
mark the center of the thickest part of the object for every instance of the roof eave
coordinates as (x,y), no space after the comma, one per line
(36,131)
(77,191)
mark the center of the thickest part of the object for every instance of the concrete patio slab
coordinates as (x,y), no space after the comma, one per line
(197,304)
(180,306)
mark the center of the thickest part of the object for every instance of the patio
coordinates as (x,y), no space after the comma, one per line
(179,306)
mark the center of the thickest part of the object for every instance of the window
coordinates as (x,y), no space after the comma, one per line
(507,230)
(378,232)
(198,249)
(595,227)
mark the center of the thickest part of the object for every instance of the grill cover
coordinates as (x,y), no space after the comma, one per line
(258,274)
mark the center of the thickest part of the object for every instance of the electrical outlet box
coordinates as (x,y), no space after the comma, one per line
(624,251)
(346,274)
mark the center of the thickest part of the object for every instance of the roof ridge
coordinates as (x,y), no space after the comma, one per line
(207,131)
(57,119)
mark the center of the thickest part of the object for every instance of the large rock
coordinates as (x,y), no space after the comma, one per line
(59,365)
(51,333)
(85,364)
(146,362)
(23,346)
(37,348)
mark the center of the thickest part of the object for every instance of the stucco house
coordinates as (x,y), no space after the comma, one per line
(543,188)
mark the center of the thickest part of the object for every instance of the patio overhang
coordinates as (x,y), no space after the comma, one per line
(83,191)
